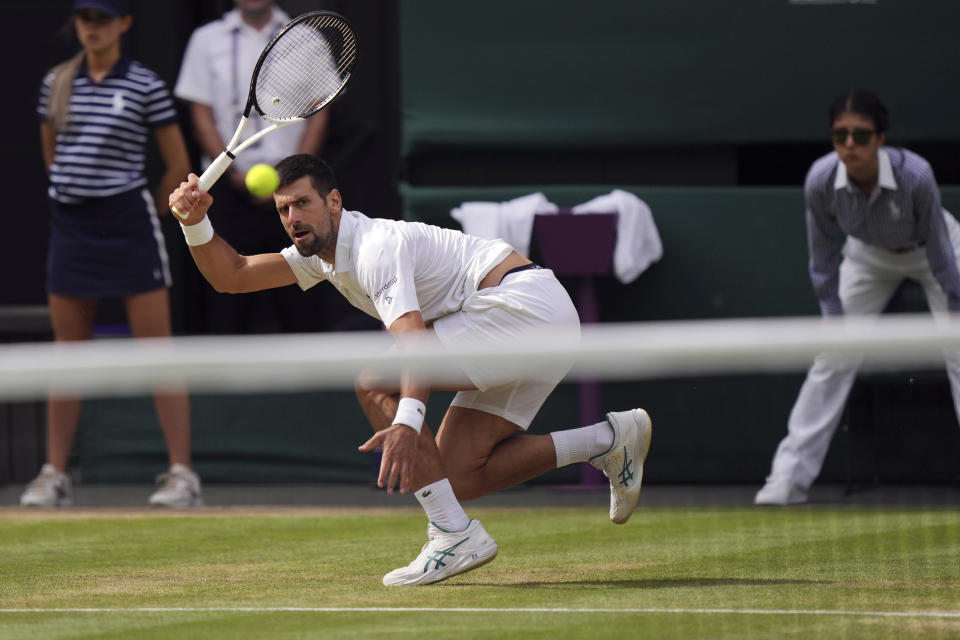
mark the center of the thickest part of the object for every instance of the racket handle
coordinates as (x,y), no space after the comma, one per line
(216,169)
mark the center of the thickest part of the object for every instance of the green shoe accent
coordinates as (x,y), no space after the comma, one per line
(626,474)
(599,456)
(440,555)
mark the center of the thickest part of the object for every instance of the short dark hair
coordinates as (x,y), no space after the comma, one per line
(292,168)
(863,102)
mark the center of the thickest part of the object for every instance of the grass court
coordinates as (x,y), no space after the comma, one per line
(310,572)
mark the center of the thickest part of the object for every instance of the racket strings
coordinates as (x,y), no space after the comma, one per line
(305,68)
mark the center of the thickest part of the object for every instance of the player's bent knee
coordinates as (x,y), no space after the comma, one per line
(361,388)
(371,383)
(365,388)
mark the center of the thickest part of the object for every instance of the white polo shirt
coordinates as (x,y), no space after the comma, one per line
(216,70)
(386,268)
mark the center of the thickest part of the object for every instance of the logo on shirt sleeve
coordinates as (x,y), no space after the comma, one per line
(392,281)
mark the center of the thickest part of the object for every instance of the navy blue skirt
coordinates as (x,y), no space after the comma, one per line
(106,247)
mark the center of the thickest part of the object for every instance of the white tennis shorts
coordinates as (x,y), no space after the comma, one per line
(523,302)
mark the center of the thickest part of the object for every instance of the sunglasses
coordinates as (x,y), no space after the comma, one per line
(860,136)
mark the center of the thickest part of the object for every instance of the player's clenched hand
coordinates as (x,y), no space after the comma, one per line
(188,202)
(399,444)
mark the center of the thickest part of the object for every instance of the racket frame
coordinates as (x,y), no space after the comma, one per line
(223,161)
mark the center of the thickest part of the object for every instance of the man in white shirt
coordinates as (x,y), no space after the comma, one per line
(418,278)
(215,79)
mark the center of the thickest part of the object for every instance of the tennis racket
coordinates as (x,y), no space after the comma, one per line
(305,66)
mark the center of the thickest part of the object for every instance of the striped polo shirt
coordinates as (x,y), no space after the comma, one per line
(102,151)
(901,214)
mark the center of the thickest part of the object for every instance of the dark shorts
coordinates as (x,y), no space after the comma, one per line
(106,247)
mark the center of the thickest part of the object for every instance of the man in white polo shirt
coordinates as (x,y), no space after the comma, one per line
(214,79)
(419,278)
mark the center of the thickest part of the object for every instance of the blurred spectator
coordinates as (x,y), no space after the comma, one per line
(215,79)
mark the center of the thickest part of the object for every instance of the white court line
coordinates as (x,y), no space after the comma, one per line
(777,612)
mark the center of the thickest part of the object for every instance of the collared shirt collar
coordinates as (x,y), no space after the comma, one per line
(348,224)
(118,70)
(278,17)
(885,178)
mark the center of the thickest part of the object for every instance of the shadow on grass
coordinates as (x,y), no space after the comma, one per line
(659,583)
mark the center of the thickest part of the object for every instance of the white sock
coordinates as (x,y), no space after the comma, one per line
(442,506)
(579,445)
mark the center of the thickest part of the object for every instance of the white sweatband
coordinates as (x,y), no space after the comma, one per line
(410,412)
(200,233)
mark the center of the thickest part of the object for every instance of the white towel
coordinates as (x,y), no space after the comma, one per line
(638,241)
(510,221)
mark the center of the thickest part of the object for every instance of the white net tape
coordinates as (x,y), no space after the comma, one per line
(118,367)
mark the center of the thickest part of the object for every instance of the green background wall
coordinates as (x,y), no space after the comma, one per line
(614,74)
(498,99)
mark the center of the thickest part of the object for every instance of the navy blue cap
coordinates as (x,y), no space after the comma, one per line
(106,7)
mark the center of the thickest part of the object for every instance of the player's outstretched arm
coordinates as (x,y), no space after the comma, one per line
(226,270)
(399,441)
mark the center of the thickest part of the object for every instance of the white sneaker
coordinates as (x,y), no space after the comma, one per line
(180,487)
(446,554)
(49,489)
(622,463)
(780,492)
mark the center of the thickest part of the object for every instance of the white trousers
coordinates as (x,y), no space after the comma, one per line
(869,276)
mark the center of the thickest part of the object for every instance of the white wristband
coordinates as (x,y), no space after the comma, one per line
(410,412)
(200,233)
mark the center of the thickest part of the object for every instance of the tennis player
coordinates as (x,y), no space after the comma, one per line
(873,219)
(423,280)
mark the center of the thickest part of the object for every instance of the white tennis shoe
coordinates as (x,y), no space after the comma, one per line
(49,489)
(779,492)
(446,554)
(623,462)
(179,487)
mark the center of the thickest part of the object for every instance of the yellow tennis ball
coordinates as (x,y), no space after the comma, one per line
(262,180)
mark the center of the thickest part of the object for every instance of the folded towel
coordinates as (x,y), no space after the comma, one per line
(510,221)
(638,242)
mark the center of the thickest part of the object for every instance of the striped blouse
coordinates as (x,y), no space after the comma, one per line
(102,151)
(902,213)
